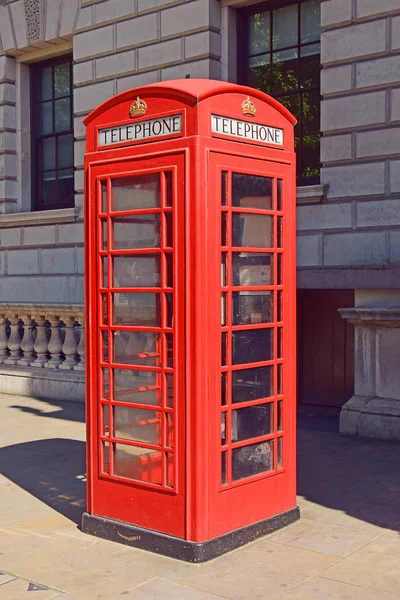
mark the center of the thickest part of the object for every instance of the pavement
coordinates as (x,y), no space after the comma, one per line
(345,547)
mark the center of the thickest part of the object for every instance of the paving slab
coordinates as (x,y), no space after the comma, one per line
(5,578)
(21,589)
(319,588)
(159,589)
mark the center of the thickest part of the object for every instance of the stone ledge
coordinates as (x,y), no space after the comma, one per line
(22,308)
(371,417)
(308,194)
(42,383)
(40,217)
(374,317)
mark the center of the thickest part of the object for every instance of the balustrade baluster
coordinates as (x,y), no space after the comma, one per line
(14,342)
(69,347)
(41,342)
(81,347)
(3,338)
(55,343)
(27,343)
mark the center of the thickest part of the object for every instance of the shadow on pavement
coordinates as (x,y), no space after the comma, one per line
(68,411)
(52,470)
(357,476)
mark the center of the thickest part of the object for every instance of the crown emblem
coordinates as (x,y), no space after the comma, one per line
(138,108)
(248,107)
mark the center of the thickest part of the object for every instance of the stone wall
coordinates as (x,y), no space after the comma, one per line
(352,238)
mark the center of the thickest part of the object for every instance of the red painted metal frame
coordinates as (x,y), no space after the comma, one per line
(201,508)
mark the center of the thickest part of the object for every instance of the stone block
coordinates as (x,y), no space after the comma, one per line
(349,43)
(8,92)
(7,66)
(308,251)
(10,237)
(160,54)
(395,105)
(8,116)
(111,10)
(23,262)
(85,18)
(364,361)
(353,111)
(79,153)
(144,5)
(395,33)
(8,141)
(6,29)
(378,213)
(52,19)
(68,17)
(387,363)
(133,81)
(394,246)
(8,189)
(116,64)
(79,180)
(336,79)
(83,72)
(336,147)
(40,236)
(42,290)
(79,128)
(8,165)
(186,17)
(58,261)
(207,68)
(204,43)
(371,8)
(80,259)
(379,142)
(335,12)
(90,43)
(86,98)
(394,177)
(378,72)
(137,31)
(324,216)
(19,22)
(2,263)
(361,248)
(70,233)
(354,180)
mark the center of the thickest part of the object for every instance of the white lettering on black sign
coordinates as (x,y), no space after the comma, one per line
(141,130)
(249,131)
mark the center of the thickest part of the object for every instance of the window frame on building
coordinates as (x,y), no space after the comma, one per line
(243,56)
(37,136)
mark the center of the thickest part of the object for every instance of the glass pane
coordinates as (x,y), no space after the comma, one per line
(169,429)
(279,342)
(66,187)
(279,241)
(62,114)
(252,230)
(168,230)
(223,428)
(259,72)
(251,268)
(279,306)
(254,345)
(252,384)
(292,103)
(170,469)
(223,348)
(136,231)
(310,156)
(104,196)
(46,84)
(223,309)
(253,459)
(46,113)
(169,342)
(280,382)
(104,233)
(62,80)
(224,230)
(48,153)
(170,310)
(137,348)
(224,262)
(279,277)
(141,464)
(48,188)
(224,467)
(104,335)
(310,20)
(285,26)
(105,419)
(280,194)
(252,422)
(223,388)
(251,191)
(169,259)
(104,374)
(311,111)
(280,453)
(285,71)
(137,424)
(137,309)
(259,32)
(310,67)
(130,193)
(224,188)
(279,419)
(65,151)
(104,308)
(170,389)
(252,308)
(139,387)
(104,271)
(106,458)
(137,271)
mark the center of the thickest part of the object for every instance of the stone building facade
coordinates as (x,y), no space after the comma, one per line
(348,220)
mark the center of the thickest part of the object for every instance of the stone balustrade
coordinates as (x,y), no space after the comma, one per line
(42,336)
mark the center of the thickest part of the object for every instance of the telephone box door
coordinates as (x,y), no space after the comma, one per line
(136,352)
(256,407)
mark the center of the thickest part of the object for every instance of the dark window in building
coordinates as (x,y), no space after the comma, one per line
(53,136)
(279,50)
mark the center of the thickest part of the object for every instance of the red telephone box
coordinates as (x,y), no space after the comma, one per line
(190,301)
